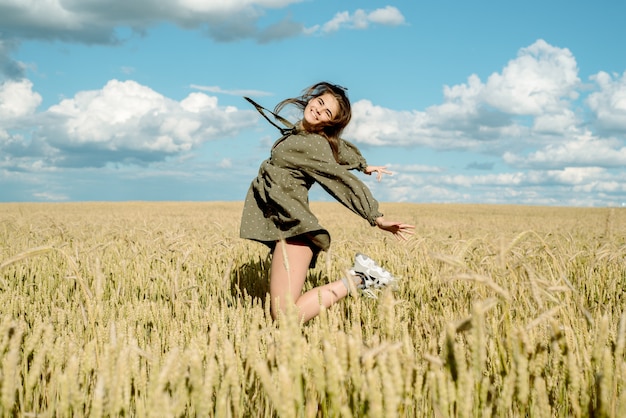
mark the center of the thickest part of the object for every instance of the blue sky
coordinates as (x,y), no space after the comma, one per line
(466,102)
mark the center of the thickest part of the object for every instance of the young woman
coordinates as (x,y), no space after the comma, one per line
(276,211)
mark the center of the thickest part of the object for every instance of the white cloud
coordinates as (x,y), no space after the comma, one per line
(576,186)
(31,16)
(389,16)
(199,102)
(583,150)
(17,100)
(609,103)
(360,19)
(447,126)
(377,125)
(558,124)
(122,122)
(531,101)
(96,21)
(543,78)
(573,175)
(127,115)
(336,22)
(529,115)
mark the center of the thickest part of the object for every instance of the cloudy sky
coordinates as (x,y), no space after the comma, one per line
(467,102)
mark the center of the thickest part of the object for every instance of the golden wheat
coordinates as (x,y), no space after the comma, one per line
(159,309)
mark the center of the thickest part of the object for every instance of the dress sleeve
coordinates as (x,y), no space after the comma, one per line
(339,182)
(350,156)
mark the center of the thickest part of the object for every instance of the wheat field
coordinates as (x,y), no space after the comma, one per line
(159,310)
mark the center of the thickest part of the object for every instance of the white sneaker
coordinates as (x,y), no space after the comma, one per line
(371,274)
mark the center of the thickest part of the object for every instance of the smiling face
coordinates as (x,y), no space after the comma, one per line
(320,111)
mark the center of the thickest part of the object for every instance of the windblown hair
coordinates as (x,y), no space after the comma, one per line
(330,130)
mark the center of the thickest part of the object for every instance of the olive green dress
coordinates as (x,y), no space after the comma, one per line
(277,203)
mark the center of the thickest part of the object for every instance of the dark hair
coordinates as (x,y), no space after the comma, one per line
(332,129)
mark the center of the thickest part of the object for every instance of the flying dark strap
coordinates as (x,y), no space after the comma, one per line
(289,127)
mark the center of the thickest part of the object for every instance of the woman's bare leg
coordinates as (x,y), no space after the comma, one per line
(286,283)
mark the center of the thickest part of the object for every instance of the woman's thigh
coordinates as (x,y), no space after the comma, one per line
(290,265)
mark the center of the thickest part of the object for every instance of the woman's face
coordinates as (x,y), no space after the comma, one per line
(321,110)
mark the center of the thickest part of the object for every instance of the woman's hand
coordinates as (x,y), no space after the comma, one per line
(398,229)
(378,169)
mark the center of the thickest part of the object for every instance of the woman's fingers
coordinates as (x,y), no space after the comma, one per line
(381,171)
(406,229)
(399,230)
